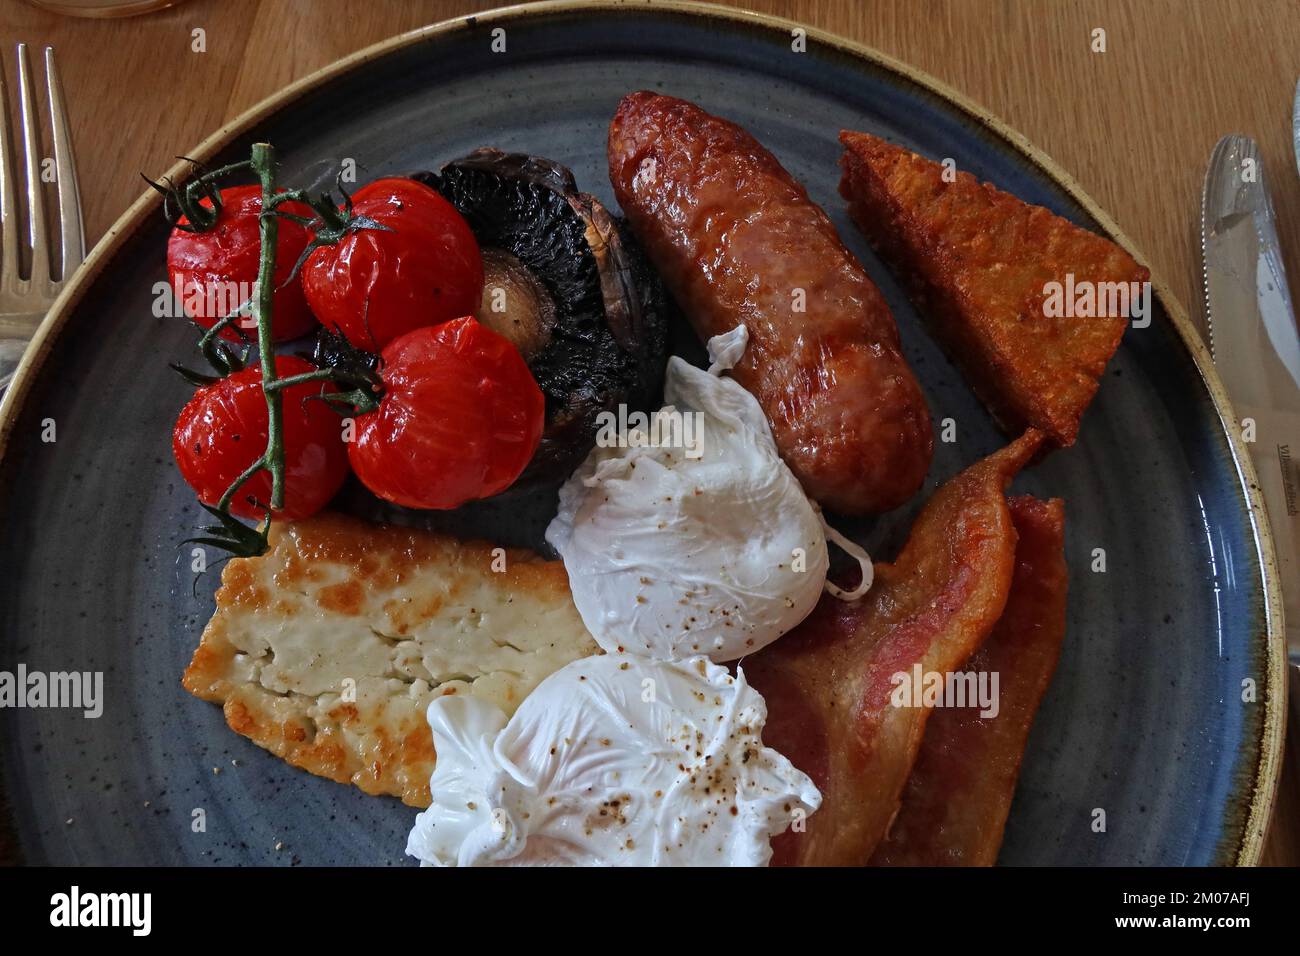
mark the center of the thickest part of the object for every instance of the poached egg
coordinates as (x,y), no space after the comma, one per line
(612,760)
(708,546)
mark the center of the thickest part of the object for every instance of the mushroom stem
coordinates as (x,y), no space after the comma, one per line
(515,303)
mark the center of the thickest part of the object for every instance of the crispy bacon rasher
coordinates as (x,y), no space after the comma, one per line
(978,263)
(827,683)
(956,801)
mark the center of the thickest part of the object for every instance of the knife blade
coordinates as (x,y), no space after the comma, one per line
(1255,345)
(1295,125)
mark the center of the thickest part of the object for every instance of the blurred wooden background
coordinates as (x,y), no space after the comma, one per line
(1134,125)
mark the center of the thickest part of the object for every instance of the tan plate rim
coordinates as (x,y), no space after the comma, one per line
(1271,742)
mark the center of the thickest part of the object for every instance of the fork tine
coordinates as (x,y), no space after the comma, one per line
(73,236)
(32,162)
(10,260)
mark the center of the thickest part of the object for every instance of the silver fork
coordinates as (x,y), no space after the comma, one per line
(25,300)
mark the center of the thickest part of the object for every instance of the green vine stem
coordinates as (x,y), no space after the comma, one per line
(264,295)
(231,534)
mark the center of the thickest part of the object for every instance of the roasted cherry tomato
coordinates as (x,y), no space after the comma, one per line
(376,284)
(213,272)
(459,419)
(222,429)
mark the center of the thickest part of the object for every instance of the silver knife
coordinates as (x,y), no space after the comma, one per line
(1295,125)
(1256,349)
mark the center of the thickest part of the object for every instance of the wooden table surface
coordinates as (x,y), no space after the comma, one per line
(1134,125)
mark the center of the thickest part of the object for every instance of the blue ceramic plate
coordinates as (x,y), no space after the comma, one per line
(1145,721)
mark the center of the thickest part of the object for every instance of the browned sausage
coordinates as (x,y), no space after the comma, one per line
(739,241)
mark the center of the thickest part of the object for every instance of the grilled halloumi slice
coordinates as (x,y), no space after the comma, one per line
(327,649)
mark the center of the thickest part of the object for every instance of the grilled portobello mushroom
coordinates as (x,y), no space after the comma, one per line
(568,285)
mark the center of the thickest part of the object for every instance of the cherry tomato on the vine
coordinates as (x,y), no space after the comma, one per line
(376,284)
(213,272)
(460,417)
(223,429)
